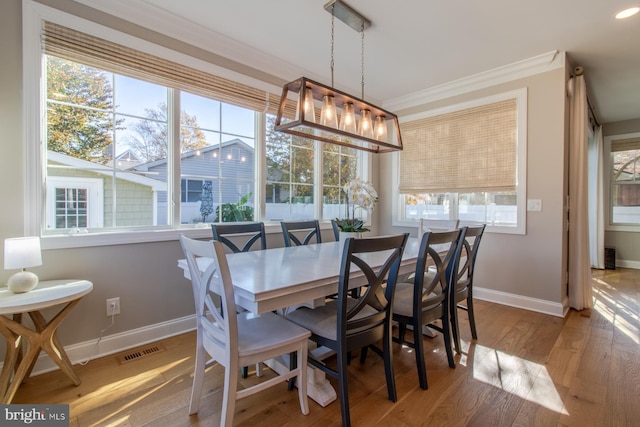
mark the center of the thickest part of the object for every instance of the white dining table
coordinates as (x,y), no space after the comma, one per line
(278,278)
(289,277)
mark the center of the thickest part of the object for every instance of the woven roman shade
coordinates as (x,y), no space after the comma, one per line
(471,150)
(625,144)
(73,45)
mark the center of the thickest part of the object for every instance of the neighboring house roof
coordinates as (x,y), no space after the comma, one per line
(126,160)
(186,155)
(64,159)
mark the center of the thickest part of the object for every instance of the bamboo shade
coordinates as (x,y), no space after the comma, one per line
(625,144)
(73,45)
(471,150)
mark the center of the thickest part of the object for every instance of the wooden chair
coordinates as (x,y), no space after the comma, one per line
(255,231)
(348,323)
(237,339)
(336,229)
(426,299)
(311,227)
(462,288)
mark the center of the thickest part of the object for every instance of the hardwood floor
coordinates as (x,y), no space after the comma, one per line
(526,369)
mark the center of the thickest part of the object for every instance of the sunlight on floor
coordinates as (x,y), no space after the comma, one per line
(525,379)
(616,310)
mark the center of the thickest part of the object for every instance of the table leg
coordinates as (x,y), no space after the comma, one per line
(30,339)
(50,342)
(44,337)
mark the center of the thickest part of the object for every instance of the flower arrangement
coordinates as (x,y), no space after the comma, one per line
(361,195)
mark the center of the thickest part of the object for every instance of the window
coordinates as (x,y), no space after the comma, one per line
(466,162)
(137,142)
(623,173)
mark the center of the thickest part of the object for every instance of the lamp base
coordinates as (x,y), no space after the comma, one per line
(23,281)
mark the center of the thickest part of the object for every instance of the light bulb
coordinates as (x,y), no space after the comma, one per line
(380,129)
(366,127)
(309,109)
(348,118)
(329,116)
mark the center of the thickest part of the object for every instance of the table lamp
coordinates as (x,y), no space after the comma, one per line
(22,252)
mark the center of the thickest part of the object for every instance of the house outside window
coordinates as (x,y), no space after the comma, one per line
(166,157)
(466,162)
(623,176)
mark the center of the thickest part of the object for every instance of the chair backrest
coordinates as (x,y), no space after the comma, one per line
(437,255)
(255,230)
(336,229)
(356,322)
(312,227)
(465,264)
(425,225)
(214,297)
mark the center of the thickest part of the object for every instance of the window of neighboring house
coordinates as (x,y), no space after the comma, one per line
(466,162)
(170,149)
(623,171)
(77,202)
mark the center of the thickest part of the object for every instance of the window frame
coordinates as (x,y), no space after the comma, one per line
(35,169)
(521,182)
(606,170)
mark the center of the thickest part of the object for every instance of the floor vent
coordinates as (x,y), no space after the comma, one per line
(139,353)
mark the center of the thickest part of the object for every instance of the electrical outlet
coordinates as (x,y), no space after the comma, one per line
(113,306)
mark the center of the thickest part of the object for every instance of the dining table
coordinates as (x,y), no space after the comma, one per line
(282,279)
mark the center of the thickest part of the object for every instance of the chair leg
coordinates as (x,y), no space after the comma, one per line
(293,364)
(472,317)
(455,327)
(245,371)
(229,395)
(419,350)
(198,377)
(446,334)
(402,329)
(343,392)
(363,354)
(388,365)
(302,379)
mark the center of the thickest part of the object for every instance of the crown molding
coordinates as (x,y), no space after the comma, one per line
(517,70)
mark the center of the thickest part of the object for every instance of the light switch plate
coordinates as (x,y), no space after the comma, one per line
(534,205)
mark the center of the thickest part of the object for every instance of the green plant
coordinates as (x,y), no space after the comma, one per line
(235,212)
(352,225)
(360,195)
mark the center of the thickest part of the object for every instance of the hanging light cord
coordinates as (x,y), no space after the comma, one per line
(362,58)
(333,19)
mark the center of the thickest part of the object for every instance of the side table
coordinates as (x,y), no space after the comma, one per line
(47,294)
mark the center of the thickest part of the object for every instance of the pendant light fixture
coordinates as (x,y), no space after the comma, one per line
(344,119)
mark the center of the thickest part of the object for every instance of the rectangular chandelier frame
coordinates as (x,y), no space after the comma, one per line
(306,121)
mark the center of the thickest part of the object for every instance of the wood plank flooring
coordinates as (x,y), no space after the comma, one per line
(525,369)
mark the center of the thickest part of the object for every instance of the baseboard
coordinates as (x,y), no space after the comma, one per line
(81,352)
(623,263)
(519,301)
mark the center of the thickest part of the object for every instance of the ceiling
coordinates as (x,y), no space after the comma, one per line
(415,45)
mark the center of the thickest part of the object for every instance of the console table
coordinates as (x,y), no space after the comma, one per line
(47,294)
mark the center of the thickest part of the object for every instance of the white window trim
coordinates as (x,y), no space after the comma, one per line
(521,193)
(95,198)
(606,170)
(33,15)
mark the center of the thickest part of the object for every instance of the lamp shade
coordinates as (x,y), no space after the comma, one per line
(22,252)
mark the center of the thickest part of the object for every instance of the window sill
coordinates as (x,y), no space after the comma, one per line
(83,240)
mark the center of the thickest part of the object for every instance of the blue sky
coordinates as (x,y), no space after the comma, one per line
(132,96)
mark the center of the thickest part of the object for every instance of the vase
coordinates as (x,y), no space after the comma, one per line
(344,235)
